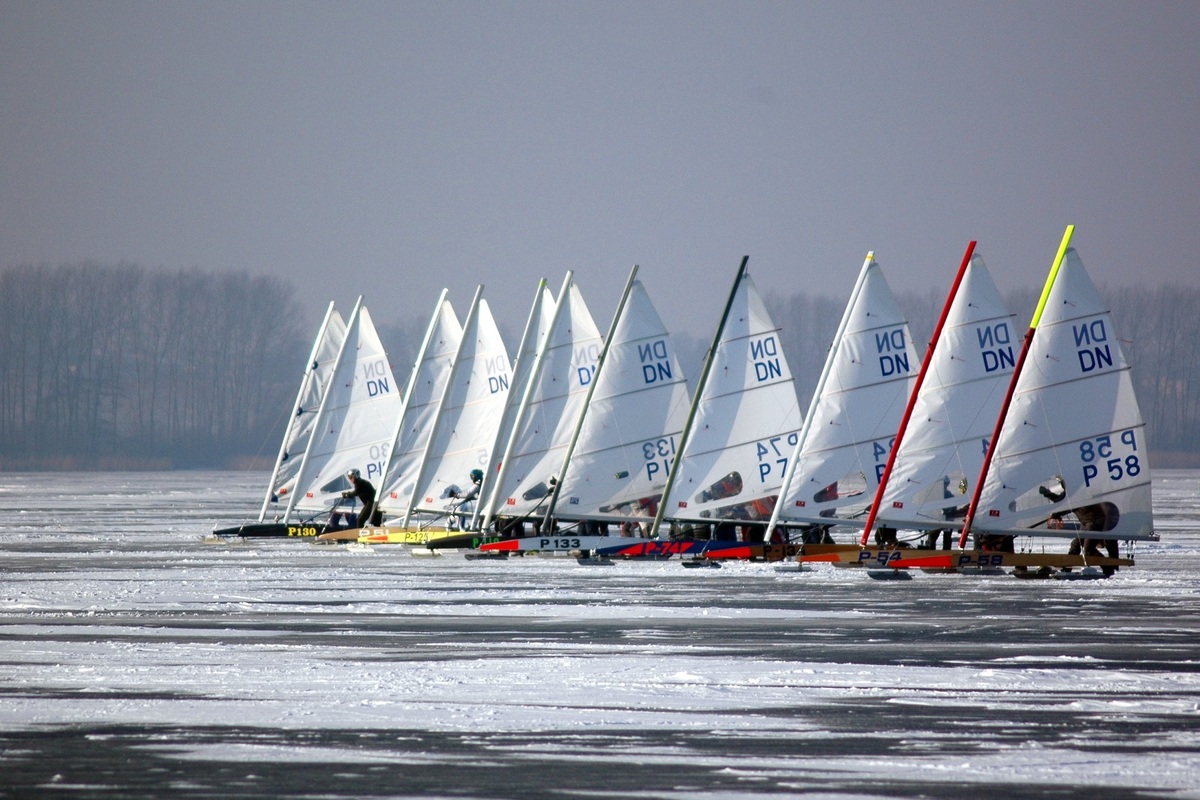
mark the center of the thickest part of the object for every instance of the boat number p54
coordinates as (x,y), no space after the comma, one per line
(1102,458)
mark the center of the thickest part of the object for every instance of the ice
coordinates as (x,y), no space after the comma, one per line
(139,660)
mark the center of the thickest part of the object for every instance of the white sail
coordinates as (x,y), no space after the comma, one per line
(472,405)
(354,426)
(537,329)
(746,422)
(635,412)
(1073,423)
(423,398)
(944,442)
(539,441)
(844,443)
(298,435)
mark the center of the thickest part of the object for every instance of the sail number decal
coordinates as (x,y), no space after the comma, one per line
(1102,458)
(880,451)
(302,530)
(658,454)
(773,455)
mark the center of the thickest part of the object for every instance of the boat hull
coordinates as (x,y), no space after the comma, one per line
(584,544)
(272,530)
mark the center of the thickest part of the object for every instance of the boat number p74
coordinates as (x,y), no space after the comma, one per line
(1101,457)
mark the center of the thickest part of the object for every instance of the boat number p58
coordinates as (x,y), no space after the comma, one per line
(1102,458)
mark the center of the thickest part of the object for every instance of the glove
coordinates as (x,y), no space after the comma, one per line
(347,495)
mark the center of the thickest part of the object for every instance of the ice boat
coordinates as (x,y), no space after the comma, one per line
(614,469)
(845,441)
(741,428)
(357,405)
(1067,457)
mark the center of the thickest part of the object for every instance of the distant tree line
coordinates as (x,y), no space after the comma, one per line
(108,366)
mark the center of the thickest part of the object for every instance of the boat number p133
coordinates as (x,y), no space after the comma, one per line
(1103,458)
(560,544)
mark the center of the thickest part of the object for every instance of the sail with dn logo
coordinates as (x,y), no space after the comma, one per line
(843,447)
(1070,439)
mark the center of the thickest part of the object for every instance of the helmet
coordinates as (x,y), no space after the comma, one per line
(353,474)
(477,475)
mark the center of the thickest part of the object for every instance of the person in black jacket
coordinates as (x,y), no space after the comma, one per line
(365,493)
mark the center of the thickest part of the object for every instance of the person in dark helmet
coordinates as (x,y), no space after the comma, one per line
(466,500)
(365,492)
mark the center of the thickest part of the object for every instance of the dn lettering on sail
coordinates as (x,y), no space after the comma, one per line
(584,361)
(1091,345)
(655,360)
(995,347)
(497,374)
(377,378)
(893,357)
(764,353)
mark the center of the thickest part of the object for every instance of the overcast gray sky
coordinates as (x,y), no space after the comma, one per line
(389,149)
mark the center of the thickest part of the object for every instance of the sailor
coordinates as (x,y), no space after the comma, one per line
(466,500)
(1094,518)
(549,487)
(1091,518)
(365,492)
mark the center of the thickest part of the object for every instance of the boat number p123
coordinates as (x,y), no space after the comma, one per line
(1103,458)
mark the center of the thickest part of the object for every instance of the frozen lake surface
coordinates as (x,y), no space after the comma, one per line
(139,661)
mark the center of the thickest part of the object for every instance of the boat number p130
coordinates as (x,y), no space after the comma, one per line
(302,530)
(1102,458)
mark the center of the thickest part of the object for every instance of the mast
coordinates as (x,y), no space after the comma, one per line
(526,398)
(916,390)
(612,327)
(1012,385)
(790,472)
(351,325)
(310,370)
(660,512)
(408,389)
(471,315)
